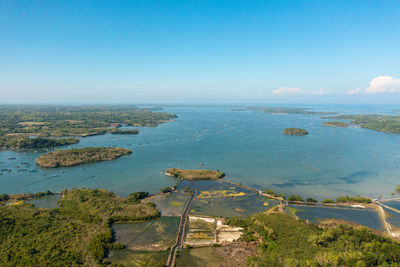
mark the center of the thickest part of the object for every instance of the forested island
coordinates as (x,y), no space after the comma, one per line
(80,121)
(295,131)
(194,174)
(382,123)
(78,156)
(75,234)
(336,124)
(23,142)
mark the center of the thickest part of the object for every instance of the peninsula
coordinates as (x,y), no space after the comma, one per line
(294,131)
(74,157)
(336,124)
(194,174)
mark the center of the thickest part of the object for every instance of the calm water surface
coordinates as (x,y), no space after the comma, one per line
(249,147)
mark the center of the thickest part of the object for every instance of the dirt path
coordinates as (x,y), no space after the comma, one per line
(181,231)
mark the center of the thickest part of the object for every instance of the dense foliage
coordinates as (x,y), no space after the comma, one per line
(73,157)
(294,131)
(24,142)
(77,233)
(382,123)
(195,174)
(74,120)
(357,199)
(284,241)
(295,198)
(336,124)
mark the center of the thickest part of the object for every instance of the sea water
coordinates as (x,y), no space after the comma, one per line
(248,146)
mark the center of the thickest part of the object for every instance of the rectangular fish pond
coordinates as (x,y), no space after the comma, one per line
(172,203)
(215,204)
(315,213)
(129,258)
(155,234)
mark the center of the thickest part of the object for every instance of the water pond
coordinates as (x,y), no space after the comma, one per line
(129,258)
(49,202)
(367,217)
(156,234)
(241,206)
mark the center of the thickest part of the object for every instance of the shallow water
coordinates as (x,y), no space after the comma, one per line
(241,206)
(249,147)
(49,202)
(155,234)
(171,204)
(130,258)
(367,217)
(394,204)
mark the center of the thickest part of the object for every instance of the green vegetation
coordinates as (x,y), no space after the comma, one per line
(398,189)
(310,199)
(127,132)
(4,197)
(76,233)
(24,142)
(336,124)
(382,123)
(294,131)
(195,174)
(295,198)
(328,200)
(85,120)
(272,193)
(73,157)
(137,196)
(284,241)
(357,199)
(166,189)
(281,110)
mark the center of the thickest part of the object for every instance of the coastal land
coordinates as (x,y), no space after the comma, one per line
(280,110)
(75,234)
(381,123)
(193,175)
(336,124)
(35,126)
(78,156)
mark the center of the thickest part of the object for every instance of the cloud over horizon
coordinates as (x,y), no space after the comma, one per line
(379,85)
(286,90)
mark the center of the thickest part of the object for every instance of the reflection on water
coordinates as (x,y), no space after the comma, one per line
(367,217)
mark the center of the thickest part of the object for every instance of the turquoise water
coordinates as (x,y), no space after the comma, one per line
(367,217)
(249,147)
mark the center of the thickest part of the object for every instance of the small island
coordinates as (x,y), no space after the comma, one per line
(74,157)
(294,131)
(336,124)
(194,174)
(127,132)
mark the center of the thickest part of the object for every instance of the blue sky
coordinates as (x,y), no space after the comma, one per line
(200,51)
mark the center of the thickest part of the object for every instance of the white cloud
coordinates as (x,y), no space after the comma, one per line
(320,92)
(353,92)
(286,90)
(383,84)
